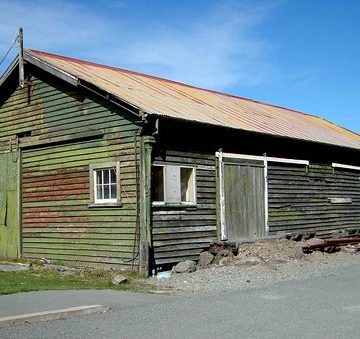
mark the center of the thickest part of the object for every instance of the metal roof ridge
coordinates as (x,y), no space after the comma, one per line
(37,55)
(84,62)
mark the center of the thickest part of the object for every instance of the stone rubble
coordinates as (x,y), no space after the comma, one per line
(256,265)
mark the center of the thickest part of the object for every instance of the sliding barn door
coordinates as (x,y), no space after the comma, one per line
(243,199)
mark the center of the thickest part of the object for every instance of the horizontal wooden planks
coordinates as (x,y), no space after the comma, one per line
(57,221)
(181,233)
(300,198)
(53,109)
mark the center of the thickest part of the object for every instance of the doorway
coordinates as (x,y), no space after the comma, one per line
(9,205)
(242,197)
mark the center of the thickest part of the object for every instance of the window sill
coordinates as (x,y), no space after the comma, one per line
(104,205)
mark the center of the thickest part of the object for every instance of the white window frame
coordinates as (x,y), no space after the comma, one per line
(180,203)
(93,169)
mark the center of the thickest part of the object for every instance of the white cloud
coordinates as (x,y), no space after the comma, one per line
(217,50)
(55,26)
(49,24)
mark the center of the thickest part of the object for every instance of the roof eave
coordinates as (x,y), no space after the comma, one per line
(50,69)
(162,116)
(9,70)
(78,82)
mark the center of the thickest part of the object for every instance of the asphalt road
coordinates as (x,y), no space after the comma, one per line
(326,307)
(23,303)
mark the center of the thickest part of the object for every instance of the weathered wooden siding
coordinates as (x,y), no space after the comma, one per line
(181,233)
(300,198)
(9,200)
(57,222)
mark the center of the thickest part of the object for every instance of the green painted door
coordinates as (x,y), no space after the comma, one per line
(9,206)
(244,198)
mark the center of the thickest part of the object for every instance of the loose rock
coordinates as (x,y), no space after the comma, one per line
(59,268)
(315,242)
(119,279)
(226,261)
(6,267)
(281,260)
(251,260)
(350,249)
(205,258)
(186,266)
(223,248)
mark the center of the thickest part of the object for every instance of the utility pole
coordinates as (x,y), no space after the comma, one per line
(21,58)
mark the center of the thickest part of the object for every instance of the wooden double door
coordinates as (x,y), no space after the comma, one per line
(242,198)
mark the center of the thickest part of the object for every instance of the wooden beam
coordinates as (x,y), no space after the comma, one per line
(21,58)
(222,196)
(146,146)
(261,158)
(336,165)
(266,195)
(51,69)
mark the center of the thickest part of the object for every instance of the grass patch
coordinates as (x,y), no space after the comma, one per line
(40,279)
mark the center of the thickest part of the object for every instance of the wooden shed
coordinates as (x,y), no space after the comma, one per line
(104,166)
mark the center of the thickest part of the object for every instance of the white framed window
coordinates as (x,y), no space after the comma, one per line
(105,183)
(174,184)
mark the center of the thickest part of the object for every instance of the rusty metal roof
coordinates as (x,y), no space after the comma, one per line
(172,99)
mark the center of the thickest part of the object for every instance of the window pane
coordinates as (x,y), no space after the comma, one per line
(158,183)
(106,176)
(99,192)
(113,191)
(187,184)
(106,192)
(112,176)
(105,185)
(99,177)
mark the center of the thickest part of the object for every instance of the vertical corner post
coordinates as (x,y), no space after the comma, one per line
(146,147)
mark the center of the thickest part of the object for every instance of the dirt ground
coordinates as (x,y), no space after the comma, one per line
(275,250)
(259,264)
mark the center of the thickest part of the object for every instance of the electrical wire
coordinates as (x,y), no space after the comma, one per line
(7,53)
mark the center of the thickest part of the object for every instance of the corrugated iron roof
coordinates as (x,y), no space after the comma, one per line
(172,99)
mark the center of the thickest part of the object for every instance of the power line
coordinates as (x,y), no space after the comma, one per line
(7,53)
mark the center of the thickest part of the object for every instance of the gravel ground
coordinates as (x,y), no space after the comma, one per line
(280,261)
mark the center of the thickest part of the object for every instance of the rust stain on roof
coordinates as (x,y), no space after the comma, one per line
(168,98)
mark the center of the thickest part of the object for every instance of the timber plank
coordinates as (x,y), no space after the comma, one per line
(56,217)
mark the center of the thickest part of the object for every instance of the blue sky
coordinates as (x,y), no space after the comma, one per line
(301,54)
